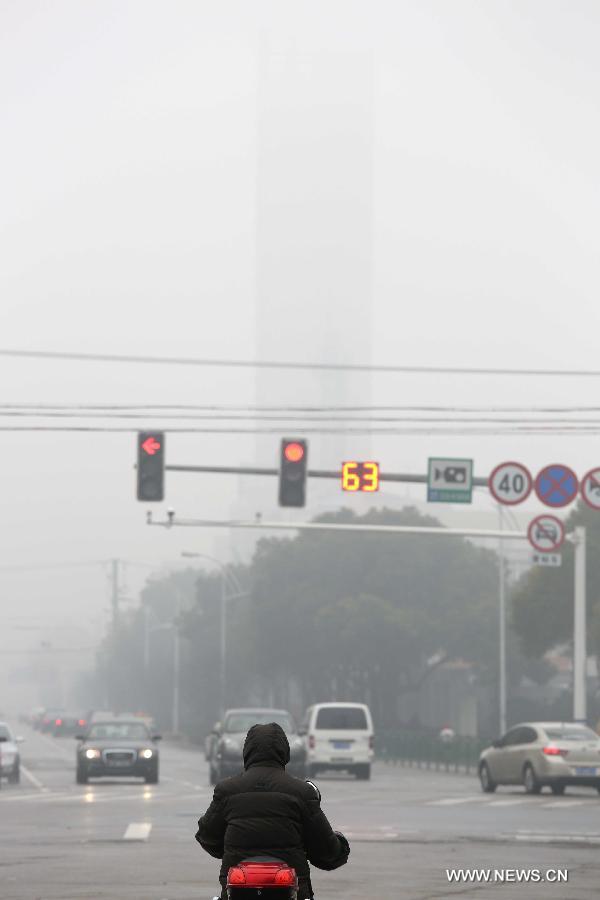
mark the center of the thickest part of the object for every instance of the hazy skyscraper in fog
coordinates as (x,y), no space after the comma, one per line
(314,240)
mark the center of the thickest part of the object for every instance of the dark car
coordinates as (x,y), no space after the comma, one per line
(123,747)
(69,724)
(226,757)
(48,718)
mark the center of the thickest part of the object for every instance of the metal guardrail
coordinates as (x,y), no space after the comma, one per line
(428,751)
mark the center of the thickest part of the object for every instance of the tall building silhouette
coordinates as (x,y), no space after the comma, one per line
(314,250)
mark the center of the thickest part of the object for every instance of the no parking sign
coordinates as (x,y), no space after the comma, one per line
(556,485)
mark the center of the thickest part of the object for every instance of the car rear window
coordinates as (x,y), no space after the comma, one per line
(238,723)
(571,734)
(331,718)
(5,733)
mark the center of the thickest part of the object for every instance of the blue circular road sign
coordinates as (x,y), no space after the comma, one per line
(556,485)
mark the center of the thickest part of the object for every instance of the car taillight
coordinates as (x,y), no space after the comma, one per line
(311,741)
(81,722)
(552,750)
(371,742)
(58,721)
(236,876)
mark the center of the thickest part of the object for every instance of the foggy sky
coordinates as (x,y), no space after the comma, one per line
(128,185)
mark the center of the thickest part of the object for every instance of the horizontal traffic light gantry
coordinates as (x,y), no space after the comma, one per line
(293,461)
(151,466)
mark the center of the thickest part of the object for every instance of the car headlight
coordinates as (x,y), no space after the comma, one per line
(92,753)
(231,746)
(147,753)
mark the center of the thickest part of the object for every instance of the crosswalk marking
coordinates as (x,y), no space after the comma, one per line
(549,838)
(564,803)
(137,831)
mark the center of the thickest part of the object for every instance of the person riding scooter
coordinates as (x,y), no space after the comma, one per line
(265,811)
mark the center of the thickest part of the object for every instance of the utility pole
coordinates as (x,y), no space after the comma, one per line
(579,629)
(223,655)
(502,624)
(115,595)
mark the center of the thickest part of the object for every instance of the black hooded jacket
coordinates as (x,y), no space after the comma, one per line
(265,811)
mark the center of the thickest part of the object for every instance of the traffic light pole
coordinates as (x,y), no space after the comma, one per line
(579,630)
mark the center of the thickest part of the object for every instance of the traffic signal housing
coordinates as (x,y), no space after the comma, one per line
(293,460)
(151,466)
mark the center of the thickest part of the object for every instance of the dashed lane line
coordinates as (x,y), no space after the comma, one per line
(34,781)
(454,801)
(513,802)
(60,750)
(137,831)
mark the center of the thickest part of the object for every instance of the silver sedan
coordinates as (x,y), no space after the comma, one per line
(536,754)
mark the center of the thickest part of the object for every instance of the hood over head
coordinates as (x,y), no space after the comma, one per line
(266,745)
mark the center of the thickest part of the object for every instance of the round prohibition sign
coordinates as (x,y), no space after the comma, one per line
(590,488)
(556,485)
(510,483)
(546,533)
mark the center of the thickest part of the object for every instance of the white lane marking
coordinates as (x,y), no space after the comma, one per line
(509,802)
(558,838)
(374,836)
(137,831)
(34,781)
(563,803)
(454,801)
(60,750)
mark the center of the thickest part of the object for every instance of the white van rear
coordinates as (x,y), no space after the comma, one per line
(339,736)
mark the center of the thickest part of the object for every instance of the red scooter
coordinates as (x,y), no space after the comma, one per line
(263,877)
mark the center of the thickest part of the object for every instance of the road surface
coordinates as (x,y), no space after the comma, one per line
(123,839)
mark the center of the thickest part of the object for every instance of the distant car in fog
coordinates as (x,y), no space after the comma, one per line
(49,717)
(118,747)
(339,736)
(211,740)
(226,754)
(540,754)
(69,724)
(10,758)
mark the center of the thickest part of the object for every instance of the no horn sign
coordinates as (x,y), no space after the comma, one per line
(546,533)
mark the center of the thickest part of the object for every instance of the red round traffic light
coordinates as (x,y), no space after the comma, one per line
(293,452)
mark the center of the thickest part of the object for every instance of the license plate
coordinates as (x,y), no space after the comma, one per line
(341,745)
(586,770)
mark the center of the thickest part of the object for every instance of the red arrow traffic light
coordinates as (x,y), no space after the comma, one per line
(151,466)
(151,446)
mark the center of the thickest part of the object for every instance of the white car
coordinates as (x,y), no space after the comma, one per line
(10,760)
(339,736)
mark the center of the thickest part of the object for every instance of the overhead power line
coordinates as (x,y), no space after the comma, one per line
(294,365)
(525,429)
(151,408)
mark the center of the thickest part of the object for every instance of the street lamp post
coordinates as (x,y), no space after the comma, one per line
(225,597)
(174,628)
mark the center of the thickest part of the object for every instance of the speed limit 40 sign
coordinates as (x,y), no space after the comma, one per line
(510,483)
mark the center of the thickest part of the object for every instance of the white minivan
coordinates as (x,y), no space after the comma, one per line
(339,736)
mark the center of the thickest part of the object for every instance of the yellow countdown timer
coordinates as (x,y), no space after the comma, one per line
(360,476)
